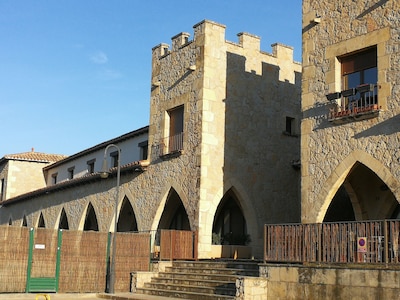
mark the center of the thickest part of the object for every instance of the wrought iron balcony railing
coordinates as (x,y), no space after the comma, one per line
(354,104)
(172,144)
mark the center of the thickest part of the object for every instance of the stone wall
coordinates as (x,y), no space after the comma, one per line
(22,177)
(330,282)
(332,29)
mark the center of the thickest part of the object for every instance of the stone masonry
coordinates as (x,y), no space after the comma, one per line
(329,152)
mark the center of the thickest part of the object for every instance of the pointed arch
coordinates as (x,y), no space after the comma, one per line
(90,219)
(229,226)
(24,221)
(249,213)
(127,219)
(63,220)
(41,223)
(161,208)
(356,160)
(174,215)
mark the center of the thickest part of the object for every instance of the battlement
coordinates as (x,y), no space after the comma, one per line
(212,32)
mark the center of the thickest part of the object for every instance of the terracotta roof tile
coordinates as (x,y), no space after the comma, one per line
(35,156)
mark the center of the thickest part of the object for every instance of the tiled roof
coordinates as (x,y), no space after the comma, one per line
(35,156)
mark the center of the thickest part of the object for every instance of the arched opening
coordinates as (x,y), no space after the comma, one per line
(90,219)
(24,222)
(63,224)
(9,222)
(127,219)
(362,196)
(41,223)
(229,227)
(174,215)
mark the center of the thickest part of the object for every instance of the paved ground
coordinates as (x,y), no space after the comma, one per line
(34,296)
(118,296)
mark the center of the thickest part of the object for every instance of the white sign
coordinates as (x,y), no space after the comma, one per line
(40,246)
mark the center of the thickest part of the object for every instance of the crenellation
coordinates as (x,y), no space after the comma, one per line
(180,40)
(160,50)
(249,41)
(282,51)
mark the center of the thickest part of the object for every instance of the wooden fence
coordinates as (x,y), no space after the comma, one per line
(347,242)
(177,244)
(67,261)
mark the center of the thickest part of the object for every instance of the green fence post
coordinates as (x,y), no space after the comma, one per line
(58,261)
(108,262)
(30,255)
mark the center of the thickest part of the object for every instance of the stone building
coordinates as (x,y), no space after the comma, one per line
(223,149)
(23,172)
(350,158)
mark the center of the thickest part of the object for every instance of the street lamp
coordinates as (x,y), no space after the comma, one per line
(104,174)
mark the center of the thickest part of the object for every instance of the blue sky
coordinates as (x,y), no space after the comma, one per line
(75,73)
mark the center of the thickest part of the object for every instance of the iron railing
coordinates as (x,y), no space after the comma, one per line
(355,103)
(350,242)
(172,144)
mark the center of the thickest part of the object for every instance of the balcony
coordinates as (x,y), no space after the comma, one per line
(354,104)
(171,145)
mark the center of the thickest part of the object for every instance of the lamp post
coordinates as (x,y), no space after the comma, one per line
(104,174)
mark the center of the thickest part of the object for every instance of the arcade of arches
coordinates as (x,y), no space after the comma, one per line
(229,225)
(362,196)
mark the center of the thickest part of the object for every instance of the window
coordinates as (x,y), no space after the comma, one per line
(54,178)
(359,68)
(143,149)
(90,166)
(359,78)
(175,139)
(114,159)
(289,126)
(71,172)
(2,189)
(358,99)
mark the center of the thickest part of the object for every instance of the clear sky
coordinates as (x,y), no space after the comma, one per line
(75,73)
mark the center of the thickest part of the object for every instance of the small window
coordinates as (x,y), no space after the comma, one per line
(71,172)
(2,189)
(143,149)
(54,178)
(289,126)
(114,159)
(90,166)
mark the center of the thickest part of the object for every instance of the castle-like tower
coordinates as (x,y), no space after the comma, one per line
(224,131)
(350,101)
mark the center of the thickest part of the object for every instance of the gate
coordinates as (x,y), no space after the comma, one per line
(178,244)
(43,260)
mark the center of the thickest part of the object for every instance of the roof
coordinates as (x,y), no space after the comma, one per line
(133,167)
(34,157)
(119,139)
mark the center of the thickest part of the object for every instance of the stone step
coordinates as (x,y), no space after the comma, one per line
(183,294)
(192,282)
(224,289)
(199,276)
(234,264)
(207,279)
(224,271)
